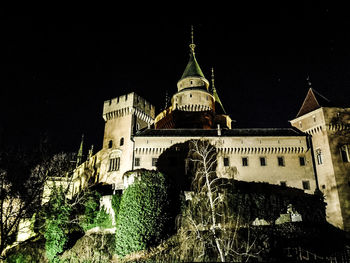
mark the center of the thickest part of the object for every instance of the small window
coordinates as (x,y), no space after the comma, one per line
(190,95)
(323,186)
(314,118)
(280,160)
(126,97)
(344,152)
(154,161)
(191,82)
(244,161)
(110,144)
(283,183)
(226,161)
(300,124)
(121,141)
(114,164)
(262,161)
(306,185)
(302,160)
(137,162)
(319,156)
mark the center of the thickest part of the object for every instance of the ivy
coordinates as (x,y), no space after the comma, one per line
(143,214)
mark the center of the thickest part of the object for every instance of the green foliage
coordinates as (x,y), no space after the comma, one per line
(116,204)
(56,224)
(94,215)
(143,215)
(91,209)
(19,258)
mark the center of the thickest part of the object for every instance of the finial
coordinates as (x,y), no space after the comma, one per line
(192,45)
(308,81)
(212,79)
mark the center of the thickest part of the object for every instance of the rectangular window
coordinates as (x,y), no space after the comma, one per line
(280,160)
(344,152)
(262,161)
(226,161)
(319,156)
(154,161)
(283,183)
(114,164)
(244,161)
(302,160)
(137,161)
(306,185)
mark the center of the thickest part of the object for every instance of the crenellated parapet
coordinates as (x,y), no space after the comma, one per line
(128,104)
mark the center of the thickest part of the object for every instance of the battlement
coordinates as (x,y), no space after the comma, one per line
(127,104)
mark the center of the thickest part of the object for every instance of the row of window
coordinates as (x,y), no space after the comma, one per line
(121,143)
(305,184)
(263,162)
(137,162)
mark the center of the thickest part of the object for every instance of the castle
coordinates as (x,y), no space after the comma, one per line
(311,155)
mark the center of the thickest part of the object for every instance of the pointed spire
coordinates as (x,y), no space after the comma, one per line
(215,94)
(192,69)
(80,152)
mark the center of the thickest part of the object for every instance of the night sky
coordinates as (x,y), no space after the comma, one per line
(57,69)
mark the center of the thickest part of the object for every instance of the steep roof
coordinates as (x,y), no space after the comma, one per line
(192,69)
(313,101)
(259,132)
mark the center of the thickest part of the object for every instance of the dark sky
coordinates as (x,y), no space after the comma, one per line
(58,68)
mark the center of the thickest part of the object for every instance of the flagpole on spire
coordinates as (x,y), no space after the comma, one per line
(192,45)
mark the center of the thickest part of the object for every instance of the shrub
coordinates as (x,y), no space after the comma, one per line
(143,215)
(56,225)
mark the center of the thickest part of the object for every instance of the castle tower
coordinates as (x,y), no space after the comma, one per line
(123,116)
(193,106)
(329,127)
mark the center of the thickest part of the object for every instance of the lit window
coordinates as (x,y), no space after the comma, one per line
(344,151)
(262,161)
(226,161)
(283,183)
(154,161)
(280,160)
(244,161)
(137,161)
(302,160)
(319,156)
(114,164)
(306,185)
(121,141)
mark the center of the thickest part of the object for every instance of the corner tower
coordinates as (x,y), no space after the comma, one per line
(329,127)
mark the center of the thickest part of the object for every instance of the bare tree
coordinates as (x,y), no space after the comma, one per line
(20,201)
(207,220)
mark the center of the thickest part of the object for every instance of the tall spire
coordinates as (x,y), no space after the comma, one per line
(80,152)
(192,69)
(213,89)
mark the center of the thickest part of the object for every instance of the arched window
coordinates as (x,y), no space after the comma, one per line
(110,144)
(121,141)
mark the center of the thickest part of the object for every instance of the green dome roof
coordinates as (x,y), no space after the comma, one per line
(192,69)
